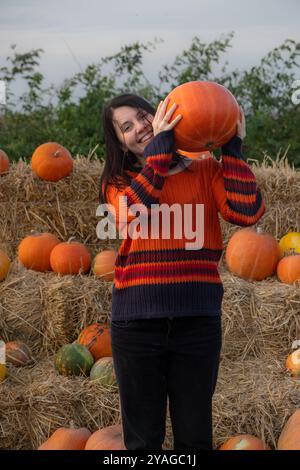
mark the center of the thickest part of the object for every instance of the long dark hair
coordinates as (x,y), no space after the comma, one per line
(118,162)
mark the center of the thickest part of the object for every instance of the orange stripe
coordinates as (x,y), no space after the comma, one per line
(235,197)
(232,176)
(169,263)
(167,280)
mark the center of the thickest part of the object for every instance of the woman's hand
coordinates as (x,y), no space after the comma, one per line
(241,125)
(161,119)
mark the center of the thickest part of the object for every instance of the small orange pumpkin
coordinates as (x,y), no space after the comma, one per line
(252,254)
(67,439)
(288,269)
(96,338)
(18,353)
(109,438)
(104,264)
(4,265)
(289,438)
(4,162)
(34,251)
(244,442)
(51,161)
(70,257)
(293,363)
(209,115)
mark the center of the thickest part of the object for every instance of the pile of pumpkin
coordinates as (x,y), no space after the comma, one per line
(254,255)
(45,252)
(111,438)
(89,355)
(250,254)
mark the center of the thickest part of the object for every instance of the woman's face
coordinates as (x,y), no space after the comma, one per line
(133,128)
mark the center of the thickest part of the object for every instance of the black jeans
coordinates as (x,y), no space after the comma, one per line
(156,358)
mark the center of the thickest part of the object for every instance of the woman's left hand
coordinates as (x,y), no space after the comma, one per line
(241,125)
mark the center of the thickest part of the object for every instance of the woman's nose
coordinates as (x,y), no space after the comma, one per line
(141,125)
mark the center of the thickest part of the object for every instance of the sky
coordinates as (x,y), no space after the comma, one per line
(76,33)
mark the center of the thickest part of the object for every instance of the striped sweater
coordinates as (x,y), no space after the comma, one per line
(159,277)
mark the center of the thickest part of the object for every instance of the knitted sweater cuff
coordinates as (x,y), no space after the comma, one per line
(162,143)
(233,148)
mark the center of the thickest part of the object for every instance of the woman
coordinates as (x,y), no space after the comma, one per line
(166,305)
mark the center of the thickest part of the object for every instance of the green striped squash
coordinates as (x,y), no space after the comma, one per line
(73,359)
(103,371)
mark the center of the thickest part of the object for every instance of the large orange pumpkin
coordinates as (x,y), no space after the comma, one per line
(104,264)
(110,438)
(288,269)
(34,251)
(70,257)
(4,162)
(252,254)
(293,363)
(96,338)
(209,115)
(244,442)
(289,438)
(4,265)
(67,439)
(51,161)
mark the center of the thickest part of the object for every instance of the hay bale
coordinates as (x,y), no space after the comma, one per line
(278,180)
(259,318)
(47,310)
(20,184)
(72,303)
(68,207)
(254,396)
(36,401)
(278,220)
(9,248)
(63,219)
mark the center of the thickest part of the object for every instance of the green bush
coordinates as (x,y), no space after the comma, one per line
(71,113)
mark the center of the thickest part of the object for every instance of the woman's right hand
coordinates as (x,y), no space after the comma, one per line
(161,119)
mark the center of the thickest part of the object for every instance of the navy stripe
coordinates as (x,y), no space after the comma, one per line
(237,169)
(162,143)
(240,187)
(143,194)
(180,299)
(144,273)
(156,180)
